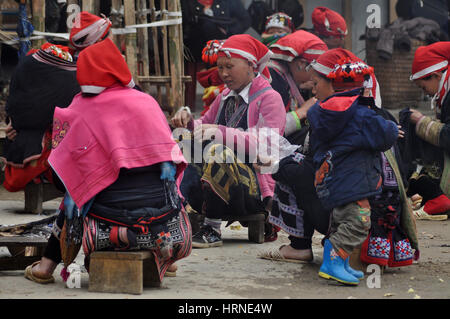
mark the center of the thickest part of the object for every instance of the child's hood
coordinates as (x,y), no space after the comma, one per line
(329,117)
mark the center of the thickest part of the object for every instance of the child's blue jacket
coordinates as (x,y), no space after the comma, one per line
(346,140)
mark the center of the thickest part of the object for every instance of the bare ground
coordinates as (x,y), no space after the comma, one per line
(234,271)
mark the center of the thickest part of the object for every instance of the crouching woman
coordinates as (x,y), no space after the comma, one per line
(113,151)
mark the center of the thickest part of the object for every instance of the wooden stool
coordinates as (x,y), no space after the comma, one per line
(122,271)
(255,224)
(24,251)
(36,194)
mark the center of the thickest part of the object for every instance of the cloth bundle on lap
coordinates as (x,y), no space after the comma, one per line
(230,187)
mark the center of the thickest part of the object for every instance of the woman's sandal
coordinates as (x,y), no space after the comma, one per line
(29,275)
(171,273)
(420,214)
(276,255)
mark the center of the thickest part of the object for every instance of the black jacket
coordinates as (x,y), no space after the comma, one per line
(199,28)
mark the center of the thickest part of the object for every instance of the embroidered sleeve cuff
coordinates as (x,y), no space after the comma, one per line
(298,124)
(429,130)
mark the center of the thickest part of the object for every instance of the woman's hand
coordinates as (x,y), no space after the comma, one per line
(205,132)
(263,164)
(303,109)
(168,171)
(415,116)
(401,133)
(10,132)
(181,119)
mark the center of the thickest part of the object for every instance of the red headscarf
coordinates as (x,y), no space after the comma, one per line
(244,46)
(100,66)
(429,59)
(298,44)
(88,29)
(344,69)
(328,23)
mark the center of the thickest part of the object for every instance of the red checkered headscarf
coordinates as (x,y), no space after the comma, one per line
(100,66)
(328,23)
(88,29)
(244,46)
(298,44)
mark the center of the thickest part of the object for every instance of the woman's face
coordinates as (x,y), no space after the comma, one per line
(276,30)
(322,88)
(298,71)
(431,85)
(333,42)
(235,73)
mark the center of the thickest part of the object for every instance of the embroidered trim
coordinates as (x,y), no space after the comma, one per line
(379,247)
(402,250)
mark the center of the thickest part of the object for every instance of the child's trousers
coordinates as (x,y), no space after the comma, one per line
(350,225)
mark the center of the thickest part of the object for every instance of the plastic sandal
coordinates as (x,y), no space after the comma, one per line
(29,275)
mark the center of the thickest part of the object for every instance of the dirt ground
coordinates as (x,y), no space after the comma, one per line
(235,272)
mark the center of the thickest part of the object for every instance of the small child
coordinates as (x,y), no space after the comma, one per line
(346,140)
(277,26)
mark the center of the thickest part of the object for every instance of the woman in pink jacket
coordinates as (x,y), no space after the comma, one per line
(247,115)
(113,152)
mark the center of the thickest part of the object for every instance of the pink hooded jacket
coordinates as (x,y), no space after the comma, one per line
(266,109)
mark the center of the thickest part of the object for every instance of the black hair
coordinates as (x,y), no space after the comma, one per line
(428,77)
(88,94)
